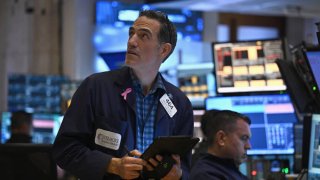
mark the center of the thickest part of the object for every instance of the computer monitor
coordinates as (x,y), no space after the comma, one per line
(272,120)
(27,161)
(314,150)
(298,87)
(313,61)
(45,127)
(114,60)
(246,67)
(299,80)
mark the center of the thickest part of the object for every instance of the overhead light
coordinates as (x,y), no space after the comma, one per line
(177,18)
(202,6)
(128,15)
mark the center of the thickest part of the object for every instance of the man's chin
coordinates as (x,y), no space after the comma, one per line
(128,62)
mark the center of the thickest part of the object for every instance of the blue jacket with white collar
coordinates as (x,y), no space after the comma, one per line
(98,104)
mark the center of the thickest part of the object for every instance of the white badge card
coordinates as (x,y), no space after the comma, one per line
(168,105)
(108,139)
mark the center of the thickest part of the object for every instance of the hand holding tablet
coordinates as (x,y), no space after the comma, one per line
(166,146)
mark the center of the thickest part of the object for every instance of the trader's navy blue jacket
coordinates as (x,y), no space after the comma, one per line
(98,103)
(212,167)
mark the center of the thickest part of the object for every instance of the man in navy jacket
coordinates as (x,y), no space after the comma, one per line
(228,134)
(116,111)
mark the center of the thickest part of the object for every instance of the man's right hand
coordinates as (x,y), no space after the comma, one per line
(127,167)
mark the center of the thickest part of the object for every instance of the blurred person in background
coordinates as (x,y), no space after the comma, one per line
(21,127)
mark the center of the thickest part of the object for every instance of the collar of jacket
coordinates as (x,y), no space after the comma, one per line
(124,81)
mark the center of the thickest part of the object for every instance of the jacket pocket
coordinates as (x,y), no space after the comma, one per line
(111,124)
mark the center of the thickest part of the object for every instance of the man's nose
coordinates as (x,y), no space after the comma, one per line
(132,41)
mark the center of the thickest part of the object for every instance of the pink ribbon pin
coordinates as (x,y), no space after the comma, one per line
(125,93)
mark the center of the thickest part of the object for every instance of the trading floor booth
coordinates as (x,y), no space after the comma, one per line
(30,160)
(27,161)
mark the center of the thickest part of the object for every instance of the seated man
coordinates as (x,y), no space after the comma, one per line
(21,127)
(202,147)
(228,134)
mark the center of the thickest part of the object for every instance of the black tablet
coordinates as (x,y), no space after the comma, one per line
(166,145)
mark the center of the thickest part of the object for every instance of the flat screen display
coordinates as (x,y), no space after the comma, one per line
(45,127)
(245,67)
(114,60)
(272,120)
(314,151)
(313,59)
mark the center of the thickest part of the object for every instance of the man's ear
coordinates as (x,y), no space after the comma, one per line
(165,50)
(220,138)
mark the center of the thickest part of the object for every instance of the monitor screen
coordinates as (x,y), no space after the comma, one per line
(114,60)
(45,127)
(272,120)
(314,150)
(244,67)
(313,59)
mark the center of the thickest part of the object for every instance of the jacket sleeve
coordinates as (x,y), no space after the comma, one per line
(72,147)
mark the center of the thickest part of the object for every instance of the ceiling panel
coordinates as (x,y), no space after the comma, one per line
(296,8)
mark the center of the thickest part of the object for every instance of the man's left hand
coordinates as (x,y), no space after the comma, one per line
(176,172)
